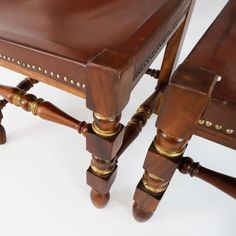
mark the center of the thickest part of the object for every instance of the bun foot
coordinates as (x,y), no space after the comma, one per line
(3,137)
(140,214)
(99,200)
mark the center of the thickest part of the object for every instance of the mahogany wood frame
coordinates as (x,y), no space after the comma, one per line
(107,138)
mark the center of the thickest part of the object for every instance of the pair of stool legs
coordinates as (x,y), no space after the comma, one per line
(107,138)
(179,114)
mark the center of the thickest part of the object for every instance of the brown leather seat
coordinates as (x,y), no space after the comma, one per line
(216,53)
(58,39)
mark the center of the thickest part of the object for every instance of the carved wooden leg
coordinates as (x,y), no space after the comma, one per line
(161,162)
(180,111)
(103,141)
(25,85)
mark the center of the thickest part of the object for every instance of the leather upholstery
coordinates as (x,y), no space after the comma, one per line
(216,52)
(60,37)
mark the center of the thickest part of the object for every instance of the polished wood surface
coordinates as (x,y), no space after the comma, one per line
(60,41)
(99,50)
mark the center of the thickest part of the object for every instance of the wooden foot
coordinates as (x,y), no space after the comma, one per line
(140,214)
(3,137)
(99,200)
(160,164)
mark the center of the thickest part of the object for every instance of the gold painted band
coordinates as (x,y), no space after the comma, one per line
(153,189)
(104,118)
(105,133)
(17,97)
(167,153)
(101,172)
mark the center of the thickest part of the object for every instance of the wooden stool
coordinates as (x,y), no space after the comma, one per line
(200,99)
(97,50)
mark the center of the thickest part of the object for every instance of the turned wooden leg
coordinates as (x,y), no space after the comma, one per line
(25,85)
(180,111)
(103,141)
(160,164)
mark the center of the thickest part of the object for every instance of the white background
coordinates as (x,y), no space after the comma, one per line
(43,165)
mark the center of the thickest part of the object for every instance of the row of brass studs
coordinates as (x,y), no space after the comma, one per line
(41,70)
(216,126)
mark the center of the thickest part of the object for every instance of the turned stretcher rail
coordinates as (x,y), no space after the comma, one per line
(41,108)
(223,182)
(26,85)
(139,120)
(153,73)
(47,111)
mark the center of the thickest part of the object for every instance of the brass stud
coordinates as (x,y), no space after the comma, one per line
(33,67)
(208,123)
(218,127)
(229,131)
(219,78)
(201,122)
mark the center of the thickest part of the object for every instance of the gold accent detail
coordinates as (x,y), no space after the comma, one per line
(201,122)
(168,153)
(145,109)
(101,172)
(153,189)
(104,118)
(17,97)
(229,131)
(33,106)
(105,133)
(218,127)
(155,177)
(133,122)
(208,123)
